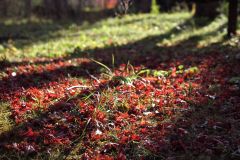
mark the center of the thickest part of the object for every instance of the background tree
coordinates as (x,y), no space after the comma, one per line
(232,17)
(143,6)
(56,8)
(206,8)
(3,8)
(166,6)
(27,8)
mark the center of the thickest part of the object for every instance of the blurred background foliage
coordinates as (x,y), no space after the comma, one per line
(74,8)
(49,28)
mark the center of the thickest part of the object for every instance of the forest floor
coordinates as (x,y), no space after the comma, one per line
(138,87)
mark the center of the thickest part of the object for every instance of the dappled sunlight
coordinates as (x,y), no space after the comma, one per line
(57,39)
(205,36)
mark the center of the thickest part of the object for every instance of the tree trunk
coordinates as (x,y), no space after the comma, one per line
(28,8)
(3,8)
(62,8)
(232,17)
(204,8)
(143,6)
(57,8)
(48,6)
(165,5)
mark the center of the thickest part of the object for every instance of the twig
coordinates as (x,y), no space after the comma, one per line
(80,86)
(93,77)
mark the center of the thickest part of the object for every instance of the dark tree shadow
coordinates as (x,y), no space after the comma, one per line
(147,49)
(32,31)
